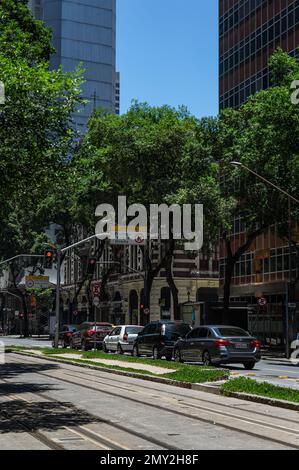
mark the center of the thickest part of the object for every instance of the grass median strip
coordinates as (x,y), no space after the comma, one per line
(179,372)
(264,389)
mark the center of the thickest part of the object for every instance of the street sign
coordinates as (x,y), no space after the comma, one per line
(292,305)
(37,282)
(125,235)
(262,301)
(96,289)
(96,301)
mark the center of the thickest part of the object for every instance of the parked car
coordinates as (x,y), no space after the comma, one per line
(65,335)
(121,339)
(157,339)
(218,345)
(295,343)
(89,335)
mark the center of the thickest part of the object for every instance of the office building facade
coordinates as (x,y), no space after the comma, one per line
(84,33)
(250,30)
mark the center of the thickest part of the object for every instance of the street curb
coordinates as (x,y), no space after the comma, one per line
(150,378)
(288,405)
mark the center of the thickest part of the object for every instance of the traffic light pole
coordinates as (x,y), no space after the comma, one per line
(20,256)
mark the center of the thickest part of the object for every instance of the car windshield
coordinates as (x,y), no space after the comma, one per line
(231,332)
(133,330)
(179,329)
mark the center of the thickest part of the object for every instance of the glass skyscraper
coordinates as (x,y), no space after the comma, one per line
(84,32)
(250,30)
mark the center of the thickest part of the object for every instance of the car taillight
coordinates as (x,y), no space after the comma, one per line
(69,334)
(89,332)
(222,342)
(126,336)
(256,343)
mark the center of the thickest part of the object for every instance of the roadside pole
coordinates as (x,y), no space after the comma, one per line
(57,298)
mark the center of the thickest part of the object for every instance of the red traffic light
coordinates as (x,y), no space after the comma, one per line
(48,259)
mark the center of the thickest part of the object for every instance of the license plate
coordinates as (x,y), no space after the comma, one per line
(241,346)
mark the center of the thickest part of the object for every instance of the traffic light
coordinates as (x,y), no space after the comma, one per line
(91,265)
(48,259)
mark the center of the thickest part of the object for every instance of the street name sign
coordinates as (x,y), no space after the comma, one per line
(37,282)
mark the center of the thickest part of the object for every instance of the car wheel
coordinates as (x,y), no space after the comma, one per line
(177,355)
(119,349)
(156,353)
(84,346)
(65,345)
(168,357)
(105,350)
(135,351)
(249,365)
(206,358)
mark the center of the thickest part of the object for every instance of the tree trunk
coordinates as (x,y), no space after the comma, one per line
(174,293)
(170,281)
(150,274)
(26,320)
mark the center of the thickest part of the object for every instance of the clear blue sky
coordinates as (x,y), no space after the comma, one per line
(167,53)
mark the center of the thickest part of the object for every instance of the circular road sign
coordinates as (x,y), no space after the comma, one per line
(262,301)
(96,301)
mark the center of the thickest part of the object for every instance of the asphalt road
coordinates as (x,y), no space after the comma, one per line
(277,371)
(46,405)
(26,342)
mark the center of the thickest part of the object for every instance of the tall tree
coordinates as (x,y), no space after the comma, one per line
(263,135)
(36,130)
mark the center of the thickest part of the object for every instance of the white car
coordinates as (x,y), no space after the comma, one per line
(121,339)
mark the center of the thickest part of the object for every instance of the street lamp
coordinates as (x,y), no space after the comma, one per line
(241,165)
(290,198)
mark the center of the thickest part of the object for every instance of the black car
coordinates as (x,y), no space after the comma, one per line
(218,345)
(157,339)
(65,335)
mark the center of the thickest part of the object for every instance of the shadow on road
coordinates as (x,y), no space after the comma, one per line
(7,389)
(39,413)
(13,369)
(46,415)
